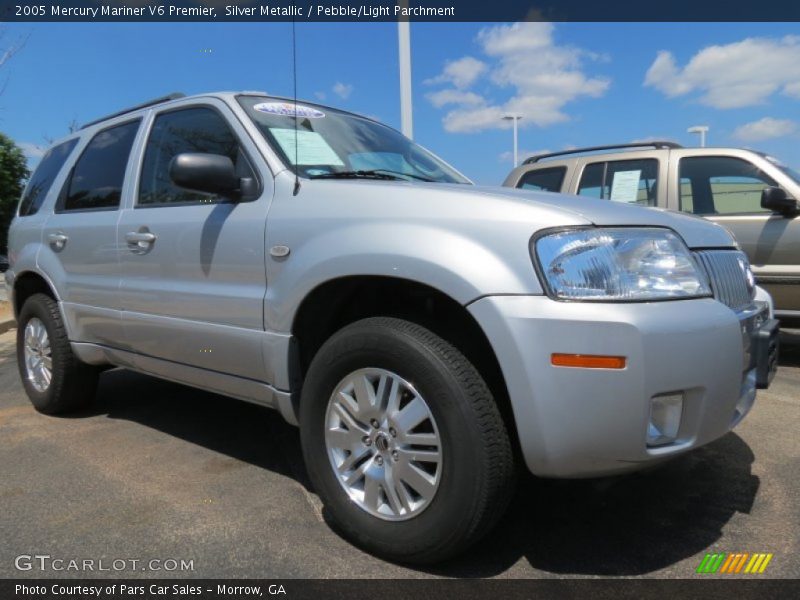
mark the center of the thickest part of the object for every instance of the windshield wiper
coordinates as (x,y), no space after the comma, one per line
(387,174)
(419,177)
(371,174)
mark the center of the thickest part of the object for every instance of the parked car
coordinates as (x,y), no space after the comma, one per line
(752,194)
(426,335)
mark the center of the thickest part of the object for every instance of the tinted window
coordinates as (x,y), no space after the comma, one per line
(687,201)
(201,130)
(546,180)
(96,181)
(712,185)
(43,177)
(592,180)
(629,181)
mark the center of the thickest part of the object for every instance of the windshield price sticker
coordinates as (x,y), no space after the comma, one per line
(312,149)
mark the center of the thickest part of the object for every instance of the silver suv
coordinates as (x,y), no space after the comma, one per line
(426,335)
(752,194)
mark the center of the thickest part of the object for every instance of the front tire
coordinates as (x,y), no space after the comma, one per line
(54,379)
(403,441)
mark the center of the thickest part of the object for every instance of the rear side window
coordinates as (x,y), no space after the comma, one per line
(544,180)
(43,177)
(96,180)
(628,181)
(198,129)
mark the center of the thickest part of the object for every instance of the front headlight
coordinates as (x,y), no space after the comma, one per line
(619,264)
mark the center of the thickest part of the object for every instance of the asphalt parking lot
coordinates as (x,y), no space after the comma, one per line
(160,471)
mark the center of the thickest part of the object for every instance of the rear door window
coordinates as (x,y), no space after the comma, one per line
(544,180)
(627,181)
(96,181)
(43,177)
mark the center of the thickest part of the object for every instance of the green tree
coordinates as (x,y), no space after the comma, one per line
(13,174)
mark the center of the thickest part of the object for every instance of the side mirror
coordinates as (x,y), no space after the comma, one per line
(777,200)
(210,173)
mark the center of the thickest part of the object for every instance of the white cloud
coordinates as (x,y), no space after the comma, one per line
(31,150)
(320,95)
(540,76)
(450,96)
(744,73)
(461,73)
(343,90)
(764,129)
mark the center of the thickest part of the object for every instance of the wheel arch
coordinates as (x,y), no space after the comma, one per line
(338,302)
(28,283)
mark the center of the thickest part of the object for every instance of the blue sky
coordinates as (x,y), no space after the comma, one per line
(576,84)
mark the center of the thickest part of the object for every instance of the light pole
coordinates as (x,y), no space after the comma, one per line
(702,130)
(404,49)
(514,119)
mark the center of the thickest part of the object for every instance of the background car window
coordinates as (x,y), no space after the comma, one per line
(199,129)
(592,180)
(629,181)
(719,185)
(546,180)
(43,177)
(96,181)
(687,202)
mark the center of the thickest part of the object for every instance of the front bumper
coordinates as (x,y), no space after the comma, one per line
(576,422)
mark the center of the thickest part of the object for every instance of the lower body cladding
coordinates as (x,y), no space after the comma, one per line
(689,376)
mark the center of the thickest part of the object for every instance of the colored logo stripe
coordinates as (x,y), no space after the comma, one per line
(711,563)
(735,562)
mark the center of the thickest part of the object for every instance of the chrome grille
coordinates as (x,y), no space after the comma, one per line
(730,276)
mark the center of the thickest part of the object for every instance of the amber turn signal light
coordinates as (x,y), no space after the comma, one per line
(588,361)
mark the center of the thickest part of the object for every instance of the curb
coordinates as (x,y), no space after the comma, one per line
(7,324)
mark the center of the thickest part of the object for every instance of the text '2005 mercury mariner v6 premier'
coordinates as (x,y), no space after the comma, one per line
(427,335)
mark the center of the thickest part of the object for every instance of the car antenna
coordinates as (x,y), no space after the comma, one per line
(294,82)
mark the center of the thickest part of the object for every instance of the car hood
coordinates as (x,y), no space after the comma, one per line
(696,231)
(498,207)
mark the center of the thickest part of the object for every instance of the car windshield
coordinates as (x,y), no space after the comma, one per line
(789,171)
(330,143)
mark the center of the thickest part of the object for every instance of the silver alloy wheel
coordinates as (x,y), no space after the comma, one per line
(38,356)
(383,444)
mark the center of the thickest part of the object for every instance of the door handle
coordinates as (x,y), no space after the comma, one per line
(57,240)
(140,237)
(140,242)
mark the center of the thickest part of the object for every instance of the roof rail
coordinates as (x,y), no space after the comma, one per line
(161,100)
(654,144)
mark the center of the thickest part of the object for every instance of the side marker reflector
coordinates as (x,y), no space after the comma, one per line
(588,361)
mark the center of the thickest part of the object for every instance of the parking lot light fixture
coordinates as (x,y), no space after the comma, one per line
(702,130)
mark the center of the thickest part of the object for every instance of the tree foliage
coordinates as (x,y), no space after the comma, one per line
(13,174)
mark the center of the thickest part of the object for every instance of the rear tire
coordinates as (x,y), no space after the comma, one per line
(388,509)
(54,379)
